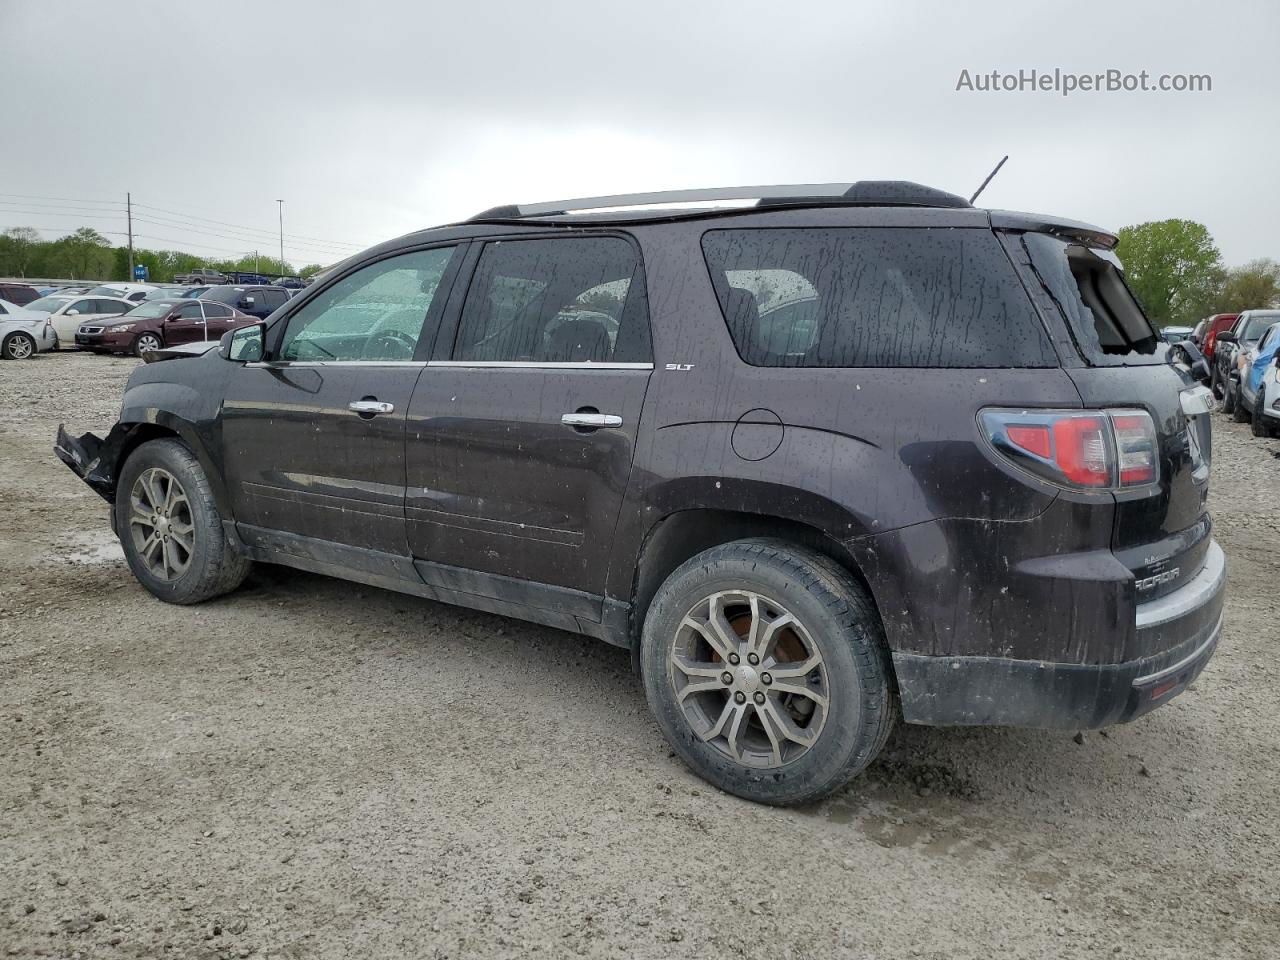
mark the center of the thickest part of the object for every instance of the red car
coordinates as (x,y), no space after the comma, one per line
(1213,326)
(161,323)
(19,294)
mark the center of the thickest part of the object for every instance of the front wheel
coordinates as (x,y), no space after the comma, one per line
(1228,399)
(170,527)
(766,667)
(146,342)
(1239,410)
(18,346)
(1259,426)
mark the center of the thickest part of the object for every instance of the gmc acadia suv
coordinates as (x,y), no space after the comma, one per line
(855,453)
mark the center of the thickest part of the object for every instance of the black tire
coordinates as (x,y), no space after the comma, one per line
(1239,412)
(841,619)
(214,568)
(1228,401)
(137,343)
(1259,426)
(1215,385)
(18,346)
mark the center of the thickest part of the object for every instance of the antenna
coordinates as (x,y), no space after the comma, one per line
(990,176)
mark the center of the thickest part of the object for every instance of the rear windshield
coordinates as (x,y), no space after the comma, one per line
(1105,319)
(47,304)
(149,310)
(874,297)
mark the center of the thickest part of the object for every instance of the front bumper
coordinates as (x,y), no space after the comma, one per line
(102,339)
(1184,626)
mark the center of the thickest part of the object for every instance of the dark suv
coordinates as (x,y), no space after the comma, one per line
(254,299)
(856,453)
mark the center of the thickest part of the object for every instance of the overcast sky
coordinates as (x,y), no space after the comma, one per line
(373,118)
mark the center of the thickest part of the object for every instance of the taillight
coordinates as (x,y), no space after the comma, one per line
(1081,449)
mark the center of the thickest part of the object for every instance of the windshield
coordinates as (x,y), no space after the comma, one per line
(1257,325)
(107,290)
(148,310)
(47,304)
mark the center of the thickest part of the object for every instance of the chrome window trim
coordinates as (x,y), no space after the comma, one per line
(482,364)
(336,363)
(540,365)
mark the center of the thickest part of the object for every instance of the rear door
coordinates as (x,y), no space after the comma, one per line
(314,436)
(521,437)
(217,319)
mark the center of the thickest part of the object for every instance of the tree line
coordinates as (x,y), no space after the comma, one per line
(85,254)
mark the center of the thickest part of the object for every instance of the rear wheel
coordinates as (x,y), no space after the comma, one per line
(170,527)
(1228,400)
(765,665)
(18,346)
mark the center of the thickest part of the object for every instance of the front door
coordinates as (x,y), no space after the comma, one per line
(184,325)
(521,441)
(313,437)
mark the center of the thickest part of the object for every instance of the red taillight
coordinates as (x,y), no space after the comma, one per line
(1034,439)
(1091,450)
(1081,450)
(1135,447)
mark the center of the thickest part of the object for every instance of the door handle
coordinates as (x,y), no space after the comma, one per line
(591,420)
(370,408)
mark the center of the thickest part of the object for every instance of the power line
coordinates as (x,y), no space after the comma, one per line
(226,223)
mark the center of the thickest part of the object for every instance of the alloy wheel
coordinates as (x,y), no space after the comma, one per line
(749,679)
(20,348)
(160,524)
(148,341)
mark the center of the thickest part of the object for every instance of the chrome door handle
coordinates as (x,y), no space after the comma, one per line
(370,407)
(591,420)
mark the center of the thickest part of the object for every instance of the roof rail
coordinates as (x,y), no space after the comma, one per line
(861,192)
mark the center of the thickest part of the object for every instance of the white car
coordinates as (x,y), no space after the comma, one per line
(67,313)
(23,334)
(135,293)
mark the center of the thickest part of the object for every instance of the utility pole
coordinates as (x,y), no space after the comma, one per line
(281,208)
(128,202)
(255,261)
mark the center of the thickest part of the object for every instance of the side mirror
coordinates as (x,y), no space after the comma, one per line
(244,344)
(73,313)
(1226,336)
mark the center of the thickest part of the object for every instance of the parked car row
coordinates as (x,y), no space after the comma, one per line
(131,318)
(1241,350)
(210,277)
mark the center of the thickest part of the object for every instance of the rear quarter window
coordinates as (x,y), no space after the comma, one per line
(874,297)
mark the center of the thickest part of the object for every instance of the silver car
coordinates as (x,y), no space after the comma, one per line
(23,333)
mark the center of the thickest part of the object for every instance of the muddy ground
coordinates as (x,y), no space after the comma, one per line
(308,768)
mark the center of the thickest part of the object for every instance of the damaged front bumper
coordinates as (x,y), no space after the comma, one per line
(92,458)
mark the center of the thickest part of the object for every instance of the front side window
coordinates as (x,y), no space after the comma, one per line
(572,300)
(873,297)
(375,313)
(1256,323)
(191,312)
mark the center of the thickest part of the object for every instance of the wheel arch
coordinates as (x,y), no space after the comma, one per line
(682,534)
(161,425)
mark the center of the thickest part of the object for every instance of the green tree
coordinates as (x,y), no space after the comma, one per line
(1253,286)
(20,245)
(85,255)
(1173,267)
(310,270)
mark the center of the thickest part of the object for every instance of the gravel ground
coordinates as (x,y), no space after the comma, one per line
(309,768)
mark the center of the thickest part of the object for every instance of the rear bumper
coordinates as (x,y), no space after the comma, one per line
(1184,626)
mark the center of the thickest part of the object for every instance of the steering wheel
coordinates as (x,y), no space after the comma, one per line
(398,346)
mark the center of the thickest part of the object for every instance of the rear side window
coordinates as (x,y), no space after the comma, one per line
(572,300)
(1105,319)
(874,297)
